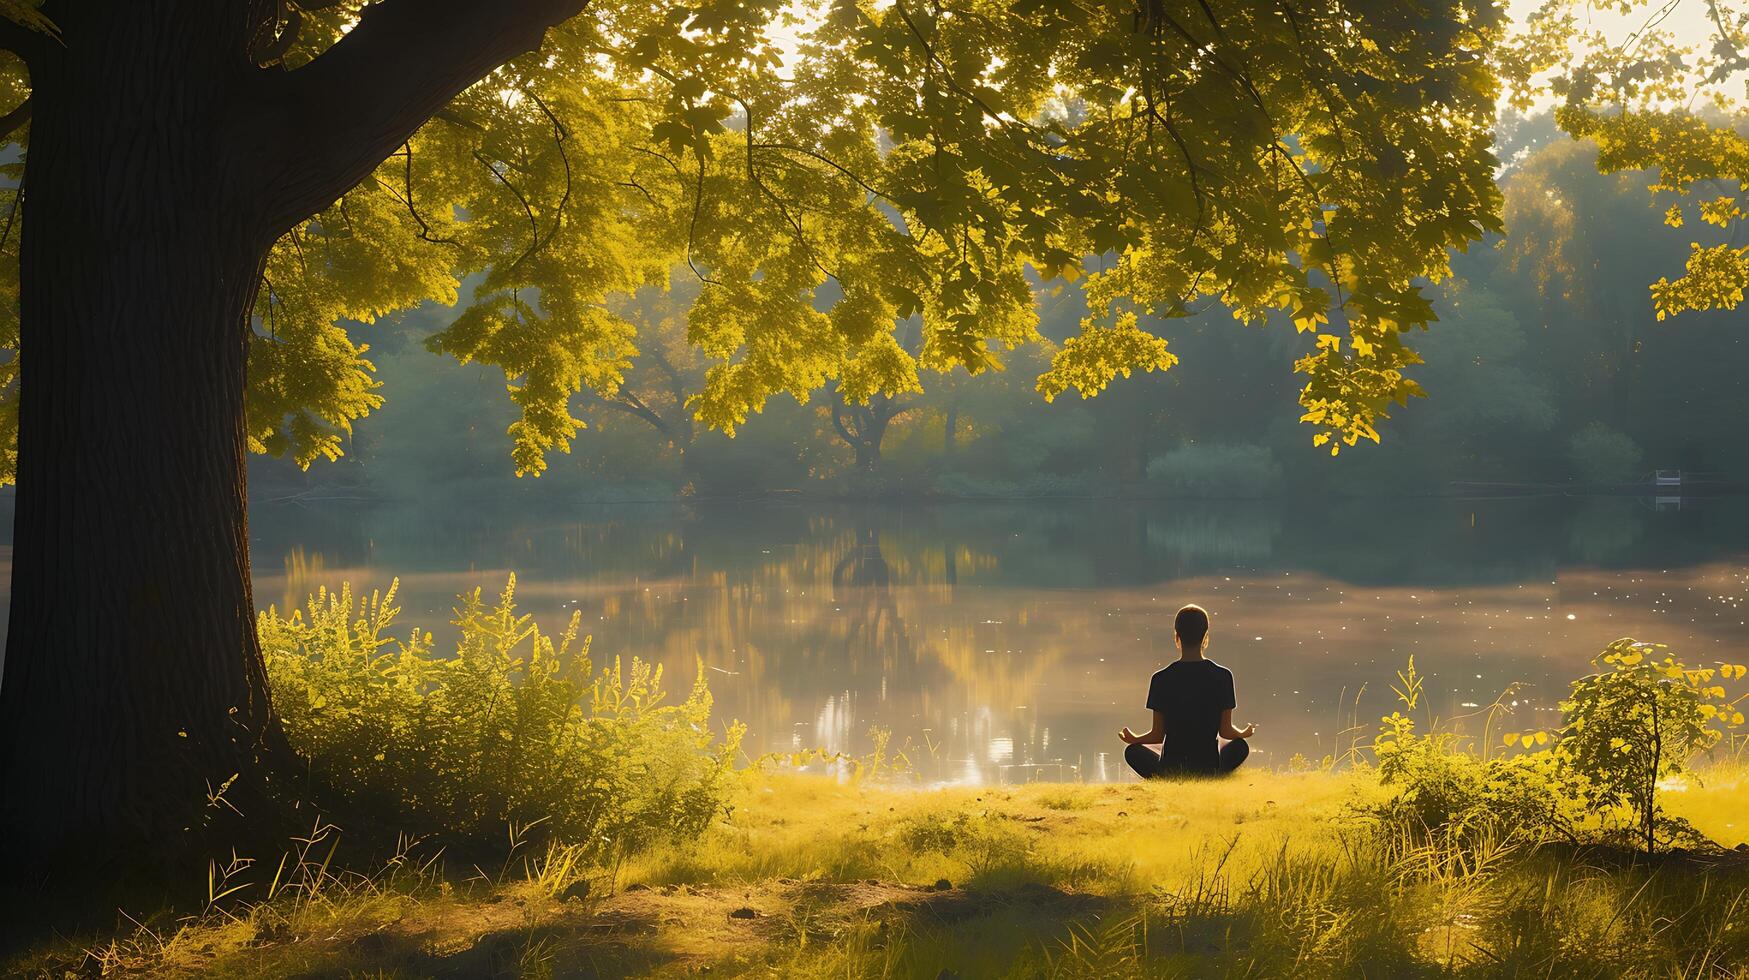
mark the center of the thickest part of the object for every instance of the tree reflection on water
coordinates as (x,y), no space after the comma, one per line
(1009,641)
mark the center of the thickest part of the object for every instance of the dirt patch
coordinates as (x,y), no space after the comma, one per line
(709,922)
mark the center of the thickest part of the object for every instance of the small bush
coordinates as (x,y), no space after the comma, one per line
(512,730)
(1600,454)
(1217,471)
(1635,723)
(1638,721)
(1457,797)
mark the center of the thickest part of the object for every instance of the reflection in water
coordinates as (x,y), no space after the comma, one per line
(1004,642)
(1244,531)
(1605,527)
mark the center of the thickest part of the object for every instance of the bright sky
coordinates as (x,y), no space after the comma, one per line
(1687,19)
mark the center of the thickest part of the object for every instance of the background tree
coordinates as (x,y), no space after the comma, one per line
(1653,101)
(667,371)
(863,425)
(233,181)
(861,416)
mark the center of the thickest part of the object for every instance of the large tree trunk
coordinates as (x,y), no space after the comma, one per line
(133,685)
(868,451)
(871,431)
(163,164)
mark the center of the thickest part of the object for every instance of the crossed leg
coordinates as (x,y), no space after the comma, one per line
(1145,759)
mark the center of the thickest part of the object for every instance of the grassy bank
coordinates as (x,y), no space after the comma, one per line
(563,816)
(1264,874)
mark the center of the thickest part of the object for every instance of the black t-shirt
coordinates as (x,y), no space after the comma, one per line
(1193,693)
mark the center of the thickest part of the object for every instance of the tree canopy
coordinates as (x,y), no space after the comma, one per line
(1654,99)
(828,172)
(1542,333)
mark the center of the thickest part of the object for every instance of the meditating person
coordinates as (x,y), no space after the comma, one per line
(1192,701)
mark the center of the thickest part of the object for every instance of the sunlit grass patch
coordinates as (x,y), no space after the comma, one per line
(1715,798)
(806,876)
(578,826)
(1117,835)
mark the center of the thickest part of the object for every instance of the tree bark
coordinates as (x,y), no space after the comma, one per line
(162,166)
(871,431)
(133,685)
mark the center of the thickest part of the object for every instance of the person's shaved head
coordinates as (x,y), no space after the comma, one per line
(1192,626)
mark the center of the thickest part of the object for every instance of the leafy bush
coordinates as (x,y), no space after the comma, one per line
(1447,791)
(1600,454)
(1639,721)
(1217,471)
(513,729)
(1635,723)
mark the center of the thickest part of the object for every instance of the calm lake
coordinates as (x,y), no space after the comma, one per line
(1010,641)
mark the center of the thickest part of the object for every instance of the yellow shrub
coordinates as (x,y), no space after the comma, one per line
(512,729)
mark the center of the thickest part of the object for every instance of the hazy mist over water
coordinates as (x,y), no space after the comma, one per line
(1006,641)
(1002,641)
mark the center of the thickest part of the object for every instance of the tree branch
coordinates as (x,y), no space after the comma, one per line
(889,409)
(268,47)
(27,42)
(631,404)
(838,419)
(14,120)
(675,384)
(335,119)
(560,135)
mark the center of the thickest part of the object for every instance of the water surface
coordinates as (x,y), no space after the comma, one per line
(1010,641)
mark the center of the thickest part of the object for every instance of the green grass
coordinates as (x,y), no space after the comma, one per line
(1263,874)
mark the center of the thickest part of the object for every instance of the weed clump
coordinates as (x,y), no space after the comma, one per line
(1444,791)
(1635,723)
(514,728)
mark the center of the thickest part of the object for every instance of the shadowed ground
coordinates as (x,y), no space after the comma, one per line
(1263,874)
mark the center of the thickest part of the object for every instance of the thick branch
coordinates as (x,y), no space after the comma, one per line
(885,408)
(838,407)
(334,120)
(14,120)
(28,43)
(631,404)
(675,383)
